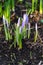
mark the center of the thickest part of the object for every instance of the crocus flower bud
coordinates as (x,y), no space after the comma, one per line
(25,18)
(18,24)
(23,24)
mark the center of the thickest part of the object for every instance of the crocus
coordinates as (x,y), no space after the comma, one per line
(26,22)
(23,24)
(25,18)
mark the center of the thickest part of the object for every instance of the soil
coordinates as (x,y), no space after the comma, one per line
(29,55)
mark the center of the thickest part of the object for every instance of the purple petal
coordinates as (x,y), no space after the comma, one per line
(23,24)
(25,18)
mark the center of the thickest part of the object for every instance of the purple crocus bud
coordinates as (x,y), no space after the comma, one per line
(18,24)
(23,24)
(25,18)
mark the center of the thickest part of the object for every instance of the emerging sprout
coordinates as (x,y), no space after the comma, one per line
(18,24)
(6,19)
(5,28)
(24,24)
(18,35)
(36,34)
